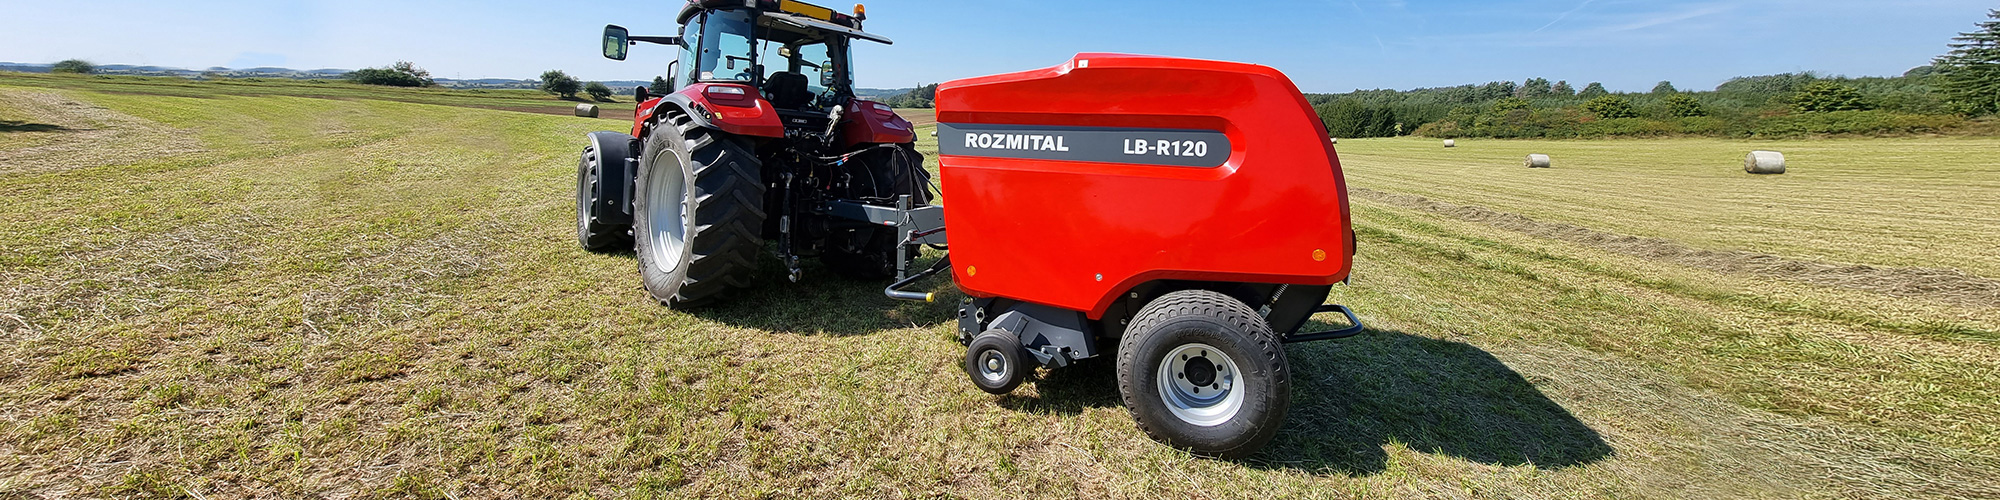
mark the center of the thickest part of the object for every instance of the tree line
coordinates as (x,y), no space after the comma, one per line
(1961,84)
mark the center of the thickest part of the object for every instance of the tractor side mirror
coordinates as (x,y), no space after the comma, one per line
(616,40)
(641,94)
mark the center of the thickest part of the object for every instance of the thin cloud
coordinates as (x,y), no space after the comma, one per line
(1565,15)
(1666,19)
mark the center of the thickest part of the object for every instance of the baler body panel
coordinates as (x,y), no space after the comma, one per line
(1028,223)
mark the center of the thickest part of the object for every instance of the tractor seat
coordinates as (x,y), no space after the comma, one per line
(788,90)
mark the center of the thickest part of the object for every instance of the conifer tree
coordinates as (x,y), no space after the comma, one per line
(1970,74)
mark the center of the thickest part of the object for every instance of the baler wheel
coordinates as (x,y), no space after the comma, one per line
(697,213)
(993,360)
(1203,372)
(591,231)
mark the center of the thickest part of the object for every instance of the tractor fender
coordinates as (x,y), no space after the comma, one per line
(617,156)
(751,117)
(869,122)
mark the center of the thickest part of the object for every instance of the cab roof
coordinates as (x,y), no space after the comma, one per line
(792,14)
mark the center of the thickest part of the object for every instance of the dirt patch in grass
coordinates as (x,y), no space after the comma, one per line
(919,117)
(1943,285)
(64,133)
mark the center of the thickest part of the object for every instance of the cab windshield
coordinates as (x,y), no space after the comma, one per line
(727,50)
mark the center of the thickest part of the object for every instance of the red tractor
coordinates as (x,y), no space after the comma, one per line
(761,139)
(1182,217)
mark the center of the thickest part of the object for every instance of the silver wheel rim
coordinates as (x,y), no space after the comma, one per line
(666,217)
(992,367)
(1200,384)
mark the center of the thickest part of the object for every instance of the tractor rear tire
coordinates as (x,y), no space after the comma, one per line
(592,232)
(1201,371)
(696,215)
(869,253)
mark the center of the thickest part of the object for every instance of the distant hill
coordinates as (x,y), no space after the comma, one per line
(877,94)
(617,86)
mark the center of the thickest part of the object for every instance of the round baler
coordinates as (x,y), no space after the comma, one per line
(1183,216)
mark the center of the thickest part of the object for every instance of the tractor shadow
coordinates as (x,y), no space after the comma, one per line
(14,126)
(1352,397)
(823,303)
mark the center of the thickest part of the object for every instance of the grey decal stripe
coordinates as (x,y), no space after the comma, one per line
(1169,147)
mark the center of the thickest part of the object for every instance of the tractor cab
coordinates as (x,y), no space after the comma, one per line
(793,54)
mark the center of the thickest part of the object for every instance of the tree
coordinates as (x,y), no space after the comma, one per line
(1534,87)
(1562,88)
(1823,96)
(401,74)
(659,85)
(1345,118)
(1610,106)
(559,83)
(1665,87)
(1593,90)
(1509,104)
(597,91)
(1684,106)
(920,97)
(77,66)
(1969,75)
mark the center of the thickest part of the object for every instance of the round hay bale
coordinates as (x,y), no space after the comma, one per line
(1333,140)
(1764,162)
(1450,143)
(1537,161)
(586,110)
(933,133)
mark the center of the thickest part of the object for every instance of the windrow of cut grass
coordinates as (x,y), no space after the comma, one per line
(372,298)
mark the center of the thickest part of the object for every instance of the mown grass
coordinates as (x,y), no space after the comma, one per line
(503,99)
(363,297)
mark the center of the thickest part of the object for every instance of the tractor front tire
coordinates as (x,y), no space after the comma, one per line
(696,215)
(1201,371)
(592,231)
(869,253)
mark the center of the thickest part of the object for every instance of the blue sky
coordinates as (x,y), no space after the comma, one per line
(1325,45)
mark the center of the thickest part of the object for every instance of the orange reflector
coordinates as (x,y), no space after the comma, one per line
(1319,255)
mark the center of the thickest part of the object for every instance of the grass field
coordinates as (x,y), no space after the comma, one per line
(213,292)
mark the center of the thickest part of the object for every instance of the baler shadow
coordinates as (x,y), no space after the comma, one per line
(823,303)
(1352,397)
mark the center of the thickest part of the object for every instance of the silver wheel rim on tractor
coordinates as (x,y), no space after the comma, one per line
(666,216)
(992,367)
(1200,384)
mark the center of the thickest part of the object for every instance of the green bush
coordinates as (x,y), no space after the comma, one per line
(1824,96)
(1610,107)
(1856,123)
(77,66)
(401,74)
(1684,106)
